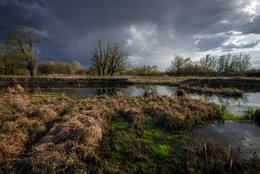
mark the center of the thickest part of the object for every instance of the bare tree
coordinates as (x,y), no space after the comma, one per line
(109,60)
(27,43)
(117,59)
(244,63)
(97,58)
(208,63)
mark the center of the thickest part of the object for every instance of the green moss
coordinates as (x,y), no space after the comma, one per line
(161,150)
(120,125)
(240,119)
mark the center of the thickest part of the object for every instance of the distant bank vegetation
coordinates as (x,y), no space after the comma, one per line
(18,56)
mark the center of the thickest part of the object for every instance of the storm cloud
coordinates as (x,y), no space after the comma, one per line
(152,31)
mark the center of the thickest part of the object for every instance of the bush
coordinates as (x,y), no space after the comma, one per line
(61,68)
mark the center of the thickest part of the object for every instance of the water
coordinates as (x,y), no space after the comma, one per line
(239,135)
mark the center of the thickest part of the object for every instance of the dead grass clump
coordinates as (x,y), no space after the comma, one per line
(11,140)
(44,113)
(81,128)
(120,94)
(15,89)
(211,157)
(67,143)
(152,94)
(132,114)
(181,92)
(12,145)
(219,91)
(17,102)
(179,113)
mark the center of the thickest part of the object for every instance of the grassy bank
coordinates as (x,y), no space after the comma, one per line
(48,133)
(80,80)
(217,91)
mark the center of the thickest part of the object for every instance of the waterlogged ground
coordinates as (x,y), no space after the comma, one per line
(234,105)
(239,135)
(136,133)
(230,132)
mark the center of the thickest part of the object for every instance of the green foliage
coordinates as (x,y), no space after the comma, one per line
(11,59)
(161,150)
(25,42)
(91,71)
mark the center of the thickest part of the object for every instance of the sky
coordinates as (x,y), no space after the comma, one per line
(152,31)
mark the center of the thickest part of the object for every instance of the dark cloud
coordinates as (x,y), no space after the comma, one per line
(253,27)
(231,46)
(14,15)
(151,30)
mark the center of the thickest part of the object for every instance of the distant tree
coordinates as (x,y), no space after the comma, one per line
(26,42)
(208,63)
(92,71)
(109,60)
(117,59)
(61,68)
(10,58)
(221,65)
(177,65)
(244,63)
(98,58)
(143,71)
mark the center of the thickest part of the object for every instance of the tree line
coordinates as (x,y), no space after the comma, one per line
(19,56)
(225,65)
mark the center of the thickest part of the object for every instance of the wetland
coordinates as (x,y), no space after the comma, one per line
(128,129)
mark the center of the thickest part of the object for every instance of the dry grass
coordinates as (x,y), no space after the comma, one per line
(44,134)
(66,144)
(44,113)
(178,113)
(219,91)
(211,157)
(15,89)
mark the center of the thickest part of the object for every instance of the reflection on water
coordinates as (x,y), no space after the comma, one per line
(129,91)
(233,105)
(245,135)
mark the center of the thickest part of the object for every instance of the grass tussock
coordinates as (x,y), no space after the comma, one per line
(180,113)
(66,144)
(218,91)
(15,89)
(44,113)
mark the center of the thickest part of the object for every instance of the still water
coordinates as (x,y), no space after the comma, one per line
(239,135)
